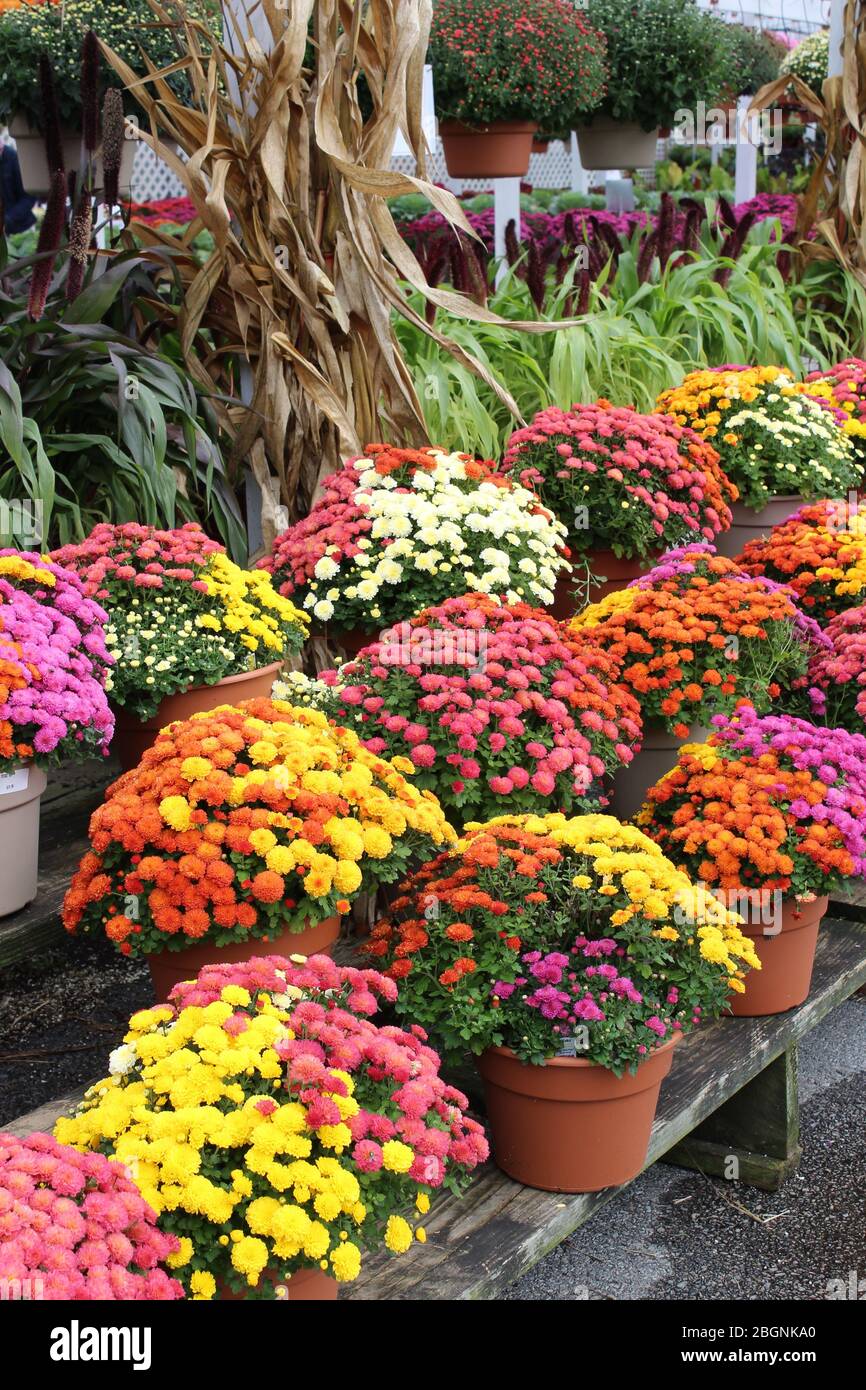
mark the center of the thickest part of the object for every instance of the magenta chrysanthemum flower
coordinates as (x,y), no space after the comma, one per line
(100,1243)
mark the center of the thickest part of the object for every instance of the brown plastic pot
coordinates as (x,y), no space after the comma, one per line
(500,150)
(608,144)
(309,1285)
(132,736)
(19,836)
(786,959)
(658,754)
(609,572)
(168,968)
(571,1125)
(751,525)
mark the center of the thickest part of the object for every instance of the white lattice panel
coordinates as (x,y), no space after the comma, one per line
(550,170)
(152,180)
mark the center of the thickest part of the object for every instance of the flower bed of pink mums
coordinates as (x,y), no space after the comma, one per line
(74,1226)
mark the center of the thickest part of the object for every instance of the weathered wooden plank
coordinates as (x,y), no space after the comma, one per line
(480,1243)
(759,1128)
(45,1118)
(850,902)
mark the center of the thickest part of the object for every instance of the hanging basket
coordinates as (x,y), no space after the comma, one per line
(617,145)
(500,150)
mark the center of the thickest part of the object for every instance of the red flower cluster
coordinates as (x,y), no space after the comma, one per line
(513,61)
(619,479)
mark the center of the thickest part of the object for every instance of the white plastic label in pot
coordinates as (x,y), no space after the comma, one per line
(14,781)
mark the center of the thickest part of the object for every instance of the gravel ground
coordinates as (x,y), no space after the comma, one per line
(60,1017)
(674,1234)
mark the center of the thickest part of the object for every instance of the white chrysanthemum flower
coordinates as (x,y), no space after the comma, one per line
(122,1059)
(326,568)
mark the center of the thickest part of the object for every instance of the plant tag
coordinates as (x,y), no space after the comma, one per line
(14,781)
(569,1047)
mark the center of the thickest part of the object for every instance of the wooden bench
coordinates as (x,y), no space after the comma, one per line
(731,1095)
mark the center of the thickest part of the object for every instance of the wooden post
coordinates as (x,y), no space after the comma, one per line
(746,172)
(837,36)
(506,203)
(754,1138)
(579,180)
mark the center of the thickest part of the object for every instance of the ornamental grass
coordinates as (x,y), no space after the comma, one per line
(769,803)
(404,529)
(243,822)
(274,1127)
(774,439)
(54,665)
(492,707)
(820,553)
(180,612)
(620,480)
(535,927)
(696,636)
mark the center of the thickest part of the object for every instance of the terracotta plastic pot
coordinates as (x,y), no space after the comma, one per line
(35,176)
(500,150)
(658,754)
(540,145)
(168,968)
(570,1125)
(609,572)
(786,958)
(20,791)
(616,145)
(133,736)
(309,1285)
(751,525)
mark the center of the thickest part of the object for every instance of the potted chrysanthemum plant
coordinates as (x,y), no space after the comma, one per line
(569,955)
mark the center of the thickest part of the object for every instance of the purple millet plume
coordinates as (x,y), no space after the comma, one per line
(48,245)
(51,115)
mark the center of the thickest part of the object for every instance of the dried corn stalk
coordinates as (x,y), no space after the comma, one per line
(291,179)
(834,204)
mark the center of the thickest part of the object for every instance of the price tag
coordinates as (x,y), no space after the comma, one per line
(14,781)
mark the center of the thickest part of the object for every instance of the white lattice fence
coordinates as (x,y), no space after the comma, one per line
(152,180)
